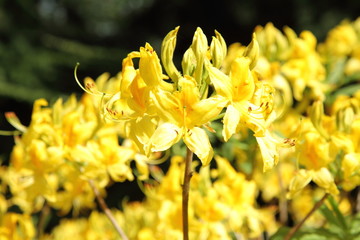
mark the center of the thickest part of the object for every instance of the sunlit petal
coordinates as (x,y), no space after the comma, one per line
(205,110)
(269,150)
(168,106)
(324,179)
(221,82)
(198,142)
(298,182)
(231,121)
(166,135)
(242,79)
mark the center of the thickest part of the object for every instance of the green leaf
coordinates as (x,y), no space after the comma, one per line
(338,214)
(312,236)
(352,78)
(354,227)
(280,234)
(306,234)
(348,90)
(328,214)
(323,232)
(337,72)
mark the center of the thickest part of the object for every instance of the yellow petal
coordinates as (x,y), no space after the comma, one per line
(269,150)
(149,66)
(231,120)
(166,135)
(299,181)
(324,179)
(168,106)
(243,82)
(205,110)
(198,142)
(144,128)
(252,117)
(189,91)
(120,172)
(350,165)
(221,82)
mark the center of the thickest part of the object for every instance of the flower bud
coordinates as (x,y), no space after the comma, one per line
(344,119)
(167,53)
(324,179)
(188,62)
(316,114)
(350,164)
(349,117)
(218,50)
(200,49)
(252,52)
(199,44)
(298,182)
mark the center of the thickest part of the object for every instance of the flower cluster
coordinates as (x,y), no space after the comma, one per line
(64,147)
(222,202)
(158,110)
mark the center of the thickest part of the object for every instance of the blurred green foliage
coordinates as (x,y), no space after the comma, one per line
(42,40)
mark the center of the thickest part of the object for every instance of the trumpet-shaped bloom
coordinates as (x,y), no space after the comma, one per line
(182,114)
(322,177)
(238,88)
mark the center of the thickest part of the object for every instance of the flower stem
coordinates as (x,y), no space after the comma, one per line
(357,208)
(297,226)
(283,207)
(45,211)
(107,211)
(185,193)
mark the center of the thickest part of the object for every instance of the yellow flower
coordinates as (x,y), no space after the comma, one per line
(151,70)
(249,104)
(341,40)
(273,44)
(301,204)
(16,226)
(313,149)
(238,88)
(183,113)
(273,183)
(322,177)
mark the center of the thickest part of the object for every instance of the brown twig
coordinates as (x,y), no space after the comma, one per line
(107,211)
(42,220)
(297,226)
(357,207)
(283,207)
(185,193)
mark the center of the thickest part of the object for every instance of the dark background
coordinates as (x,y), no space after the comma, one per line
(41,40)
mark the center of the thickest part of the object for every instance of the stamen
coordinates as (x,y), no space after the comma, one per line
(289,141)
(15,122)
(77,80)
(88,86)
